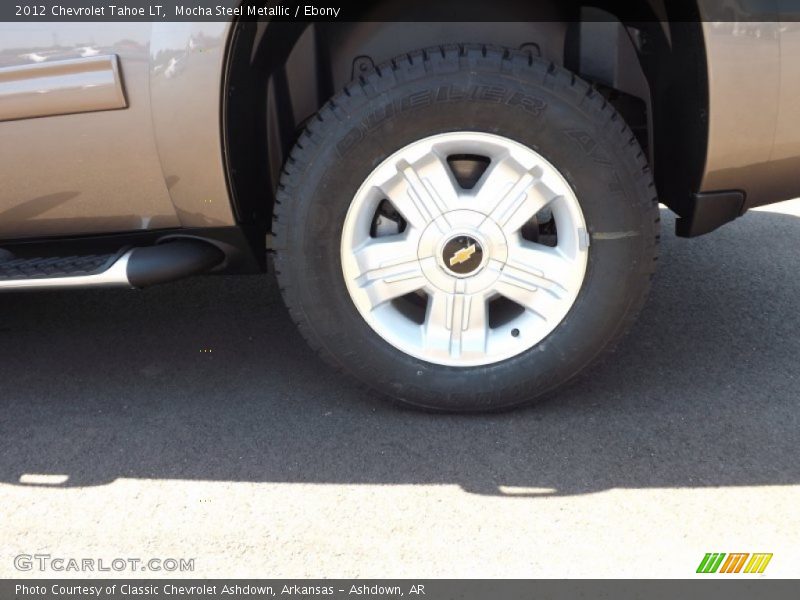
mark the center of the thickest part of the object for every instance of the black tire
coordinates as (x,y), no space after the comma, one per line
(475,88)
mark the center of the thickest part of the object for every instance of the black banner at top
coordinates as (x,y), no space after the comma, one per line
(397,10)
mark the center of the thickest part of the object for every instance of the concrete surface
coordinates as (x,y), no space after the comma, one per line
(191,421)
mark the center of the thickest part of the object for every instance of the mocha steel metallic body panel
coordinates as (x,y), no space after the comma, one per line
(744,93)
(753,59)
(187,70)
(156,164)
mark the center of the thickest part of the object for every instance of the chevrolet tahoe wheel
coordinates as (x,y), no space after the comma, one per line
(465,228)
(458,255)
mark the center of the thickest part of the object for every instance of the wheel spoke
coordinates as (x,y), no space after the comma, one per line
(511,196)
(538,278)
(388,268)
(456,325)
(423,191)
(551,264)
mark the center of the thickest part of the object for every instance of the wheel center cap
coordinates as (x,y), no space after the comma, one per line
(462,250)
(462,255)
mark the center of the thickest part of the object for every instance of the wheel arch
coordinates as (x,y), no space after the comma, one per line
(280,73)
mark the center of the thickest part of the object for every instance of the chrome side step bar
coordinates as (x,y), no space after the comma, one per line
(135,268)
(115,276)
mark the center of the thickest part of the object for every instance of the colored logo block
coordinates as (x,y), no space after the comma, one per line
(736,562)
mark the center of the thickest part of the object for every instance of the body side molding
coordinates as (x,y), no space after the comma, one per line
(61,87)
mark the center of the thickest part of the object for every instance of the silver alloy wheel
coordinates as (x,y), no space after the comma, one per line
(456,251)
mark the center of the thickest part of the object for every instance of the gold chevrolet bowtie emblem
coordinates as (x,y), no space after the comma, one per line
(462,255)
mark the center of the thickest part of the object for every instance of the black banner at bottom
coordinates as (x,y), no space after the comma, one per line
(425,589)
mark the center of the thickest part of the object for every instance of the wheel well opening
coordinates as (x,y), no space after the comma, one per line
(280,73)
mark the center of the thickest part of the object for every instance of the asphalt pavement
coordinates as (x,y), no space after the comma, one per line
(191,421)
